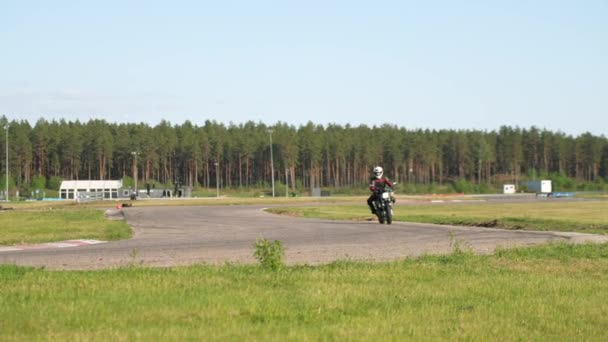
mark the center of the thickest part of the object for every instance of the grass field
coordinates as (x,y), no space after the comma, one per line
(551,292)
(555,292)
(575,216)
(49,224)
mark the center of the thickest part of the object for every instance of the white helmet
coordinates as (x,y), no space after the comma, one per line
(378,171)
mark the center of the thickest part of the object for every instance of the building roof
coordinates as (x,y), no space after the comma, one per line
(91,184)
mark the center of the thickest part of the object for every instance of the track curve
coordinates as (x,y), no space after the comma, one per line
(172,236)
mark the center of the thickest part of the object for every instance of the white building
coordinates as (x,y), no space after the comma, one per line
(508,188)
(97,189)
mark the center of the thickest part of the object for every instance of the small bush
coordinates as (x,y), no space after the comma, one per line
(39,182)
(462,186)
(561,182)
(54,182)
(127,181)
(269,254)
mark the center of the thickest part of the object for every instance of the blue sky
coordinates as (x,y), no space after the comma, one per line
(416,64)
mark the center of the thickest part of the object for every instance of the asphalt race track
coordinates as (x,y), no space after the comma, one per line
(171,236)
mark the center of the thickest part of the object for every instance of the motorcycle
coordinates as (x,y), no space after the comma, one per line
(383,205)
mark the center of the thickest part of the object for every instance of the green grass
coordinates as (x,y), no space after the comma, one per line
(549,292)
(574,216)
(554,292)
(57,224)
(597,195)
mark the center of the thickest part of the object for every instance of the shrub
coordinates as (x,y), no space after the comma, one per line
(561,182)
(39,182)
(127,181)
(11,182)
(463,186)
(269,254)
(54,183)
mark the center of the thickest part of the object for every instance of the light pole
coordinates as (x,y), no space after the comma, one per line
(6,194)
(135,172)
(271,161)
(217,177)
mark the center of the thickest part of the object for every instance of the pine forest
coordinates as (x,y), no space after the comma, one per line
(306,156)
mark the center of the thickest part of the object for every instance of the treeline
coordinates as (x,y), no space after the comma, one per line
(307,156)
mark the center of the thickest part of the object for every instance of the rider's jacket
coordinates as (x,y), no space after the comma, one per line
(381,182)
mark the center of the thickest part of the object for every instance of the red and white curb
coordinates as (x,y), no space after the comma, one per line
(61,244)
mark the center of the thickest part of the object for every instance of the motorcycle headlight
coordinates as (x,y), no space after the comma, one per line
(385,195)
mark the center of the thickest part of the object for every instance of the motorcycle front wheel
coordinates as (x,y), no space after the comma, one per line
(381,216)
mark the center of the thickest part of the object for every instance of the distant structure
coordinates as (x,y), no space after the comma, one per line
(91,189)
(98,190)
(508,189)
(540,186)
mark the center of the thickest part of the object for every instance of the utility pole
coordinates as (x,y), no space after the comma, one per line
(271,161)
(135,172)
(217,177)
(6,165)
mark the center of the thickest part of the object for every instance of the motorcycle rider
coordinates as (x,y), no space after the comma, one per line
(378,181)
